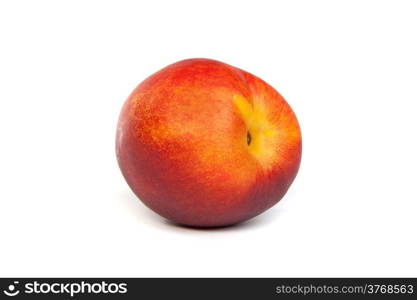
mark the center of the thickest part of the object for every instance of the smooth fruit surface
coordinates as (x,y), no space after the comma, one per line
(206,144)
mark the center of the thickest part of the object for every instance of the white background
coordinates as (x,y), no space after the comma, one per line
(348,69)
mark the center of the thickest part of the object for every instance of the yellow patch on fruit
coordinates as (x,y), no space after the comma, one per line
(262,141)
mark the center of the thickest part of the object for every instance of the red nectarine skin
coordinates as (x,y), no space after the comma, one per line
(206,144)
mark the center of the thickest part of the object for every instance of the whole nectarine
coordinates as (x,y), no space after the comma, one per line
(206,144)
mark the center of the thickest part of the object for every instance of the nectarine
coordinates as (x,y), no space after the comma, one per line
(206,144)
